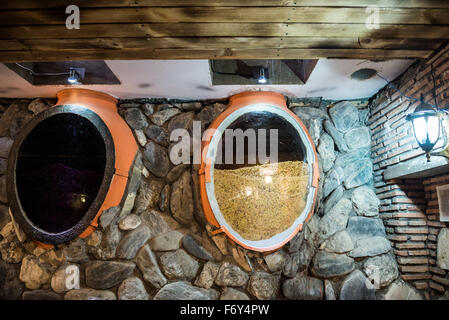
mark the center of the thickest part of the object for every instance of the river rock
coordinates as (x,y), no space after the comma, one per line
(334,178)
(381,270)
(344,116)
(329,265)
(132,289)
(335,219)
(155,221)
(209,113)
(164,201)
(242,259)
(33,274)
(350,161)
(231,276)
(357,287)
(191,106)
(339,242)
(332,200)
(67,273)
(147,263)
(291,265)
(326,151)
(400,290)
(158,134)
(305,256)
(263,285)
(443,249)
(308,113)
(90,294)
(18,122)
(40,295)
(185,291)
(141,137)
(369,247)
(362,173)
(11,248)
(181,201)
(135,118)
(132,242)
(303,288)
(365,202)
(207,276)
(275,261)
(109,242)
(107,274)
(359,137)
(3,167)
(11,287)
(195,249)
(179,265)
(156,159)
(15,109)
(362,227)
(329,293)
(163,115)
(148,195)
(167,241)
(109,215)
(233,294)
(181,121)
(148,109)
(336,136)
(5,218)
(37,106)
(5,146)
(176,172)
(130,222)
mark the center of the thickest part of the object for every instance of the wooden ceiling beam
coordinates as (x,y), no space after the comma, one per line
(133,30)
(412,16)
(218,43)
(34,4)
(167,54)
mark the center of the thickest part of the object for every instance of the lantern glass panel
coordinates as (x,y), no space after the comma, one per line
(420,129)
(433,129)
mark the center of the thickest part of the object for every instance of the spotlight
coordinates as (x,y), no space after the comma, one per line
(73,76)
(262,78)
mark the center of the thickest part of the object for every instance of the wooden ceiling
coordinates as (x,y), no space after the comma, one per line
(34,30)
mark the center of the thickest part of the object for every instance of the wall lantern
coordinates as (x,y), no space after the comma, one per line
(426,126)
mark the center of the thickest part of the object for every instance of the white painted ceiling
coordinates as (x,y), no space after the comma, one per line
(190,79)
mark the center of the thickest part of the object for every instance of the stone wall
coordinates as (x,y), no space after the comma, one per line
(409,225)
(162,248)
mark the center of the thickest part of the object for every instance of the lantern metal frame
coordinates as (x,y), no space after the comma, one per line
(425,110)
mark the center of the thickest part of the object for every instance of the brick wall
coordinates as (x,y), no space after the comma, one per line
(439,281)
(410,220)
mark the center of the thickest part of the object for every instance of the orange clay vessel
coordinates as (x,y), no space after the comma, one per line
(237,102)
(125,146)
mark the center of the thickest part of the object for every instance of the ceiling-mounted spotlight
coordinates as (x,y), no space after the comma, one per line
(76,75)
(73,76)
(262,79)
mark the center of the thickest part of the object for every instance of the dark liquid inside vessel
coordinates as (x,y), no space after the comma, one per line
(59,171)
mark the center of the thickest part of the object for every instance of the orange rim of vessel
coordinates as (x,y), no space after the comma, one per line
(237,102)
